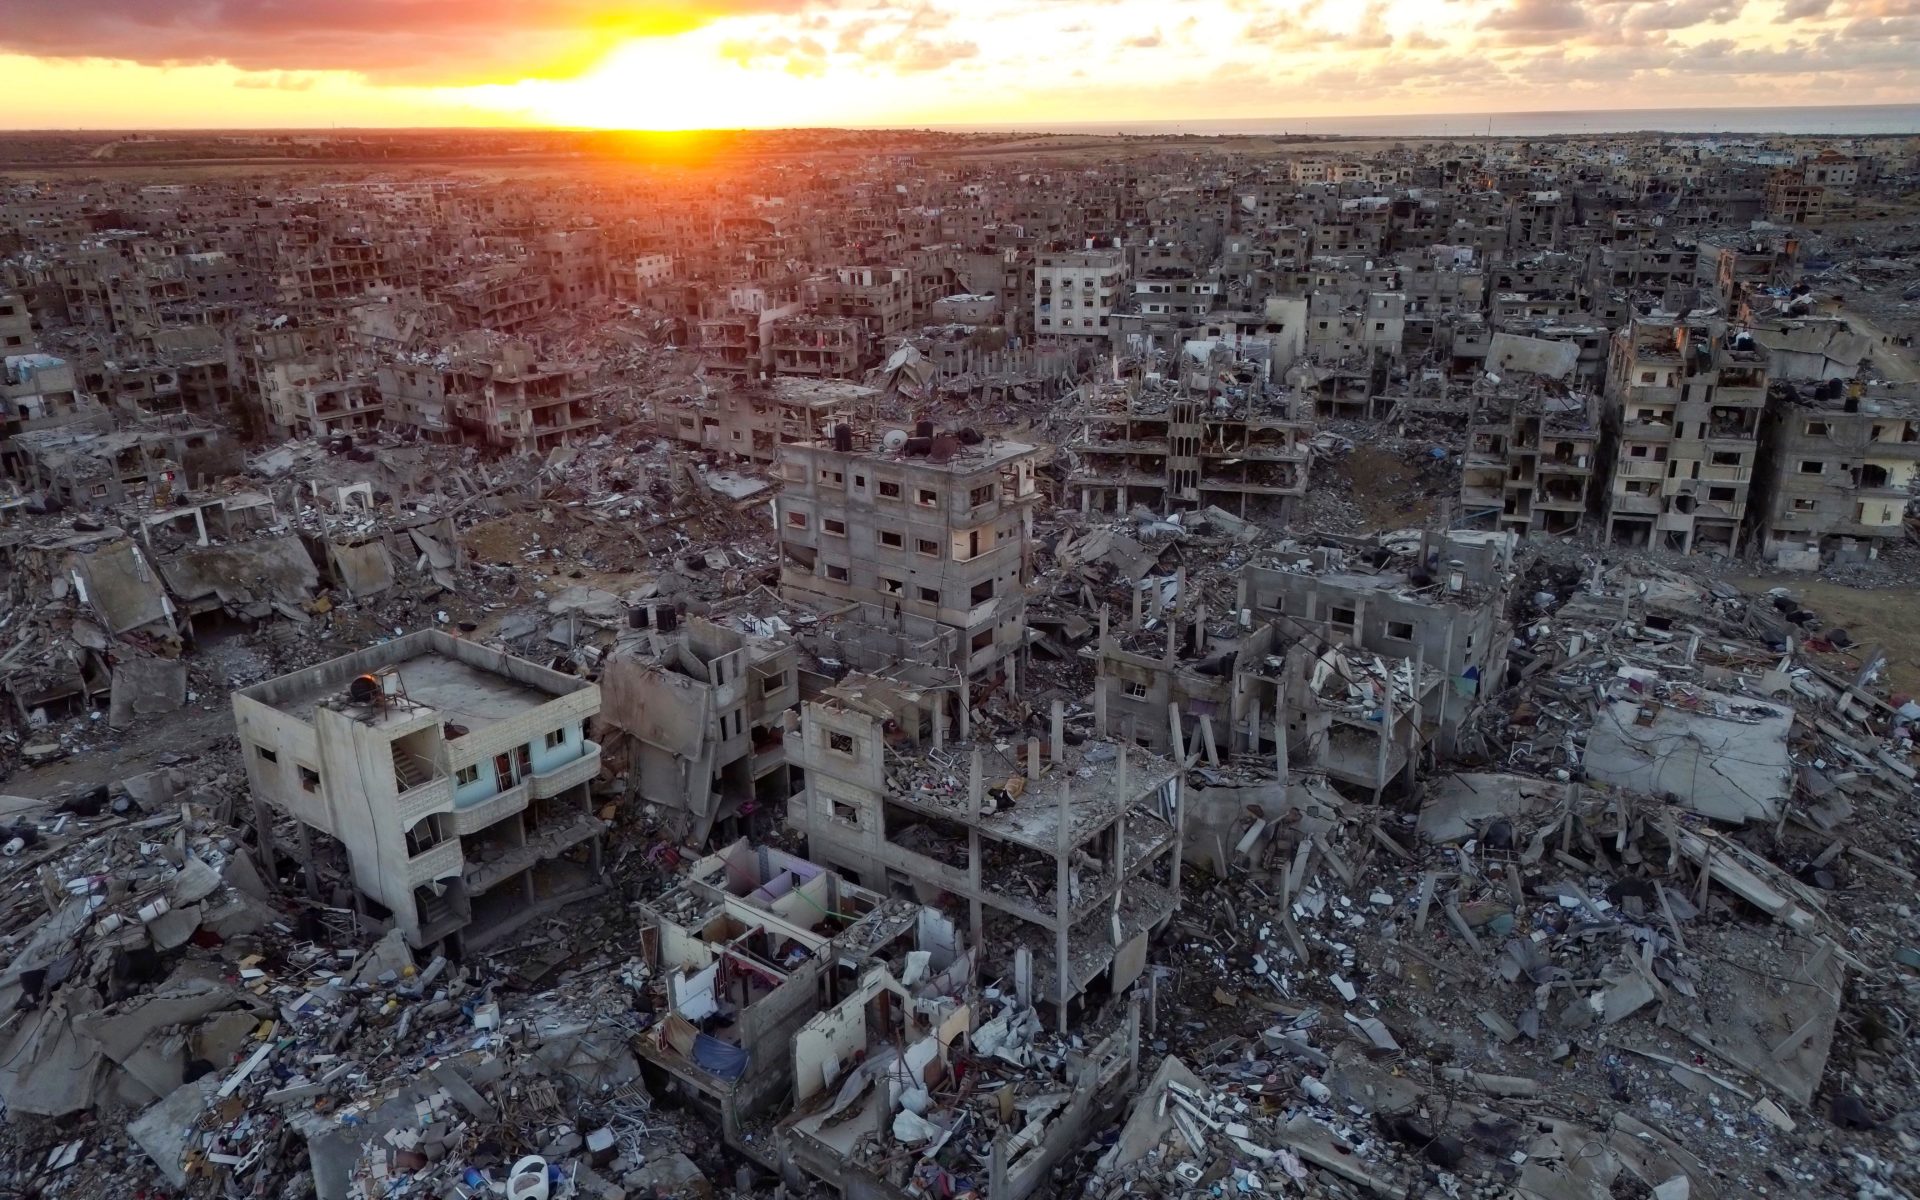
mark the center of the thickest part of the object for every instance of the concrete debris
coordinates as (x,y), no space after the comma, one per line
(1134,670)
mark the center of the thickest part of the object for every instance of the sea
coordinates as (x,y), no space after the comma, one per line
(1809,120)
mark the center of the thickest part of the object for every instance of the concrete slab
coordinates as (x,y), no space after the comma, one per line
(1725,758)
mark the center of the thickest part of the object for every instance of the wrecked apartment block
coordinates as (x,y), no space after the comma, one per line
(1178,663)
(507,398)
(694,712)
(884,1099)
(1065,857)
(821,347)
(754,420)
(1434,616)
(751,944)
(1532,443)
(936,526)
(1684,422)
(1144,447)
(453,779)
(1843,467)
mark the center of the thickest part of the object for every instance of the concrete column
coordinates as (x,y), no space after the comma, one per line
(1179,834)
(1133,1032)
(1386,739)
(976,916)
(308,870)
(263,833)
(1063,852)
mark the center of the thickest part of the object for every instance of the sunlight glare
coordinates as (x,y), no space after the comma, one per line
(671,83)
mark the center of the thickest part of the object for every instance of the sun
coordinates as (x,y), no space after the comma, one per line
(677,83)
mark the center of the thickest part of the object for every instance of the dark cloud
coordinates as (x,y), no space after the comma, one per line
(1537,16)
(1802,10)
(1681,14)
(390,40)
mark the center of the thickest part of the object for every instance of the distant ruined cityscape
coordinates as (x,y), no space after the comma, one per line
(927,666)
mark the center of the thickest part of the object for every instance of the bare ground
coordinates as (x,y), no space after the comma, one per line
(1887,617)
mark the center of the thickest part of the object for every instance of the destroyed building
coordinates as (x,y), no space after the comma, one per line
(1686,401)
(695,712)
(449,781)
(1843,465)
(787,672)
(1167,451)
(1066,863)
(754,421)
(920,524)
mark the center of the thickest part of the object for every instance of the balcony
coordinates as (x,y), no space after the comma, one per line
(548,784)
(1641,468)
(1720,474)
(548,841)
(495,808)
(1634,504)
(424,799)
(440,862)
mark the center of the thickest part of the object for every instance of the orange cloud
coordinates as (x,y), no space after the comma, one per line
(392,41)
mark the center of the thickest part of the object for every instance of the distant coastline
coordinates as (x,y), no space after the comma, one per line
(1799,120)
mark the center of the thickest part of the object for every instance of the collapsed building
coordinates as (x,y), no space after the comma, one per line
(791,676)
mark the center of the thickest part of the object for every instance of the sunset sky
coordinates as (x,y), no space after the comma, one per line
(730,63)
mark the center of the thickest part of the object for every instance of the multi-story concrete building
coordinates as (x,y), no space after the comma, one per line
(820,347)
(694,710)
(16,325)
(880,298)
(296,381)
(504,297)
(751,946)
(1075,291)
(923,525)
(1445,611)
(1685,402)
(1183,452)
(1530,460)
(453,778)
(1075,850)
(1841,465)
(38,392)
(753,421)
(507,398)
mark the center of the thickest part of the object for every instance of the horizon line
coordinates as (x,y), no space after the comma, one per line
(991,126)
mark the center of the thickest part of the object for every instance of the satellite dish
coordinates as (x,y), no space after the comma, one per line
(895,441)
